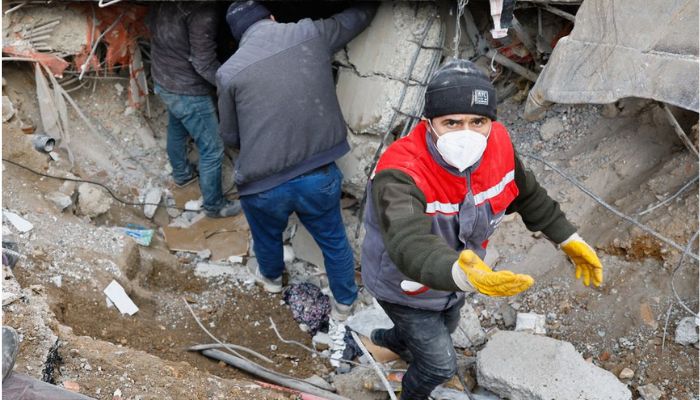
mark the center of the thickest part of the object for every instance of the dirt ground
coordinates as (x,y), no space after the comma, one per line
(632,160)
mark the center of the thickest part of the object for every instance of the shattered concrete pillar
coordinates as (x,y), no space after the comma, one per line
(376,79)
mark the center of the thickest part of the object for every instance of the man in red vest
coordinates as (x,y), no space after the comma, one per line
(437,195)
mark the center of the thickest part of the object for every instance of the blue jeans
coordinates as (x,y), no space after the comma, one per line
(423,336)
(315,197)
(195,116)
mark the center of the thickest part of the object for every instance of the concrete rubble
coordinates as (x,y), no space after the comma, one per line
(666,53)
(531,323)
(687,331)
(469,332)
(518,365)
(650,392)
(372,78)
(60,200)
(93,200)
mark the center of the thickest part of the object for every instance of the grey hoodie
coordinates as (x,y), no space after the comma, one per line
(277,100)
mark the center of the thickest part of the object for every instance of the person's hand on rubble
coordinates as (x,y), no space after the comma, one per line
(470,271)
(584,259)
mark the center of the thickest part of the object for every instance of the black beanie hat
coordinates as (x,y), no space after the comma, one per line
(459,87)
(242,14)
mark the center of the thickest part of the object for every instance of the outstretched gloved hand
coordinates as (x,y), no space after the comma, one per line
(469,271)
(584,258)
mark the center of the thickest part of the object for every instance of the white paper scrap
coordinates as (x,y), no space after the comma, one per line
(115,292)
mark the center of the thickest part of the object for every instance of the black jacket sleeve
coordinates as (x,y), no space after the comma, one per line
(538,211)
(202,28)
(228,117)
(406,230)
(341,28)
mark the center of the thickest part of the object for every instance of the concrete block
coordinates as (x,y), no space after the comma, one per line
(377,61)
(469,332)
(356,164)
(93,200)
(687,331)
(518,365)
(305,247)
(60,200)
(369,319)
(650,392)
(531,323)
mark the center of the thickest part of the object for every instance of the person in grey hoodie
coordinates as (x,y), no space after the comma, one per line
(183,66)
(278,105)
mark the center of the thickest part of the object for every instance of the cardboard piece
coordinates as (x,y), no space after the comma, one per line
(380,354)
(225,237)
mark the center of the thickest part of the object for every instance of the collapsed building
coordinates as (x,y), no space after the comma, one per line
(603,110)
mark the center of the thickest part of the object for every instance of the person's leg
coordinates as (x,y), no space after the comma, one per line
(318,208)
(202,124)
(427,337)
(267,214)
(177,137)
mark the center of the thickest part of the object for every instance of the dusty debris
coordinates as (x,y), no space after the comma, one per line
(93,201)
(531,367)
(8,109)
(687,331)
(151,200)
(650,392)
(369,319)
(60,200)
(469,332)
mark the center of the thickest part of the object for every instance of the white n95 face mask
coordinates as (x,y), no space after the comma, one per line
(461,149)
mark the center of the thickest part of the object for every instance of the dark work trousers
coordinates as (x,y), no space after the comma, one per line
(422,338)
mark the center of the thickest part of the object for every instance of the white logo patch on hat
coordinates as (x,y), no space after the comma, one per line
(480,97)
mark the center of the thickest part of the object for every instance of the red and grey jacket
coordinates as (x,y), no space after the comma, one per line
(423,212)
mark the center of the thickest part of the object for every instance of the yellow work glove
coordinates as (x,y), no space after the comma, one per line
(584,258)
(469,271)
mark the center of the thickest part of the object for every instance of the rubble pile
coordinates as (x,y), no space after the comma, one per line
(108,297)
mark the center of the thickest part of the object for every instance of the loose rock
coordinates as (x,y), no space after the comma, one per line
(650,392)
(518,365)
(687,331)
(626,373)
(531,322)
(92,200)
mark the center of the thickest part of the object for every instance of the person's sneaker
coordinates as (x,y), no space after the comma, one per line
(270,285)
(229,209)
(186,182)
(341,312)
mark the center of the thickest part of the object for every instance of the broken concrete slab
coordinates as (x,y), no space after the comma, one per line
(531,323)
(687,331)
(520,365)
(93,200)
(666,54)
(469,332)
(151,200)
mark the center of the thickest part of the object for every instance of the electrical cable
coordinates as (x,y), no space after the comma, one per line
(614,210)
(675,270)
(111,193)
